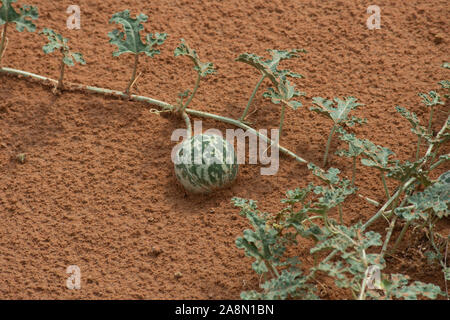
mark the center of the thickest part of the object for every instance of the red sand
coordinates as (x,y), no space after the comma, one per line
(98,189)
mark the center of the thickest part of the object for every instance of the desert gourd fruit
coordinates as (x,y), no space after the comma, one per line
(204,163)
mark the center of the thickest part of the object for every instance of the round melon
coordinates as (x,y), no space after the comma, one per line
(204,163)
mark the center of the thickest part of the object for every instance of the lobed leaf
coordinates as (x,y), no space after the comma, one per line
(290,284)
(338,114)
(419,130)
(57,42)
(203,68)
(269,67)
(21,19)
(398,288)
(434,199)
(431,99)
(354,144)
(130,40)
(286,91)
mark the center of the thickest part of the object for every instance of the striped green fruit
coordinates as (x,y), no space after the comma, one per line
(204,163)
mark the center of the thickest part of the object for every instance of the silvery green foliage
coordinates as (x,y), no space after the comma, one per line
(205,163)
(431,99)
(445,84)
(270,67)
(340,112)
(416,128)
(57,42)
(396,286)
(290,283)
(202,68)
(271,235)
(352,245)
(434,200)
(267,246)
(130,41)
(21,19)
(354,146)
(284,91)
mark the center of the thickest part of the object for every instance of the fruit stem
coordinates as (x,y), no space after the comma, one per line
(187,121)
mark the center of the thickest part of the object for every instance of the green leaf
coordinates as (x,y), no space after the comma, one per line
(286,91)
(203,68)
(398,287)
(21,19)
(78,57)
(269,67)
(68,61)
(57,42)
(330,176)
(130,40)
(297,195)
(445,84)
(431,99)
(354,144)
(419,130)
(338,114)
(290,284)
(446,65)
(378,155)
(434,198)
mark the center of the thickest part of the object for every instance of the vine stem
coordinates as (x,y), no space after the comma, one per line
(197,84)
(133,75)
(2,43)
(161,104)
(327,148)
(252,97)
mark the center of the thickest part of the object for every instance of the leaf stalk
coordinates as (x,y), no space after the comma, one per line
(2,43)
(197,84)
(133,75)
(250,100)
(327,148)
